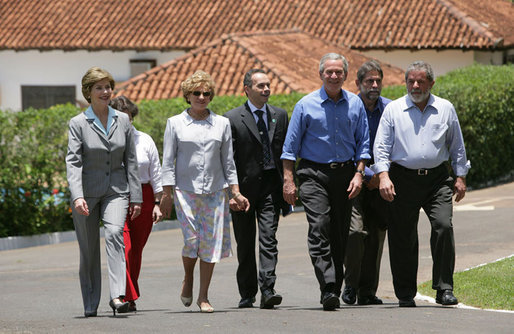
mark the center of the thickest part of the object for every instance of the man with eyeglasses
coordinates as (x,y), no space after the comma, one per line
(329,132)
(369,212)
(258,132)
(416,136)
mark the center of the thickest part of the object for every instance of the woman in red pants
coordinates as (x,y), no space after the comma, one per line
(137,231)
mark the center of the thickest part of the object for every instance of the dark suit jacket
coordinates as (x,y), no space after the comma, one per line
(248,147)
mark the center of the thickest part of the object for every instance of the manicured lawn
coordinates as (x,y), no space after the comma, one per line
(490,286)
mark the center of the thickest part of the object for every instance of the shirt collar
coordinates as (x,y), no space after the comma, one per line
(379,106)
(254,108)
(90,114)
(411,104)
(324,95)
(188,119)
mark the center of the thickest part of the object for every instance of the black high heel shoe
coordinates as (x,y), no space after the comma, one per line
(117,305)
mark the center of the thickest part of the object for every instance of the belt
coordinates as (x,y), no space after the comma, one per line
(331,165)
(420,171)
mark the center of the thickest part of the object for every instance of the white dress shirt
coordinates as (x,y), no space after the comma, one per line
(420,139)
(197,155)
(148,161)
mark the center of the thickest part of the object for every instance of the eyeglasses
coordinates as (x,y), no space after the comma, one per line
(198,93)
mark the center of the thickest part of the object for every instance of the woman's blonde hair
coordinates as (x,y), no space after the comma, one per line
(199,78)
(92,76)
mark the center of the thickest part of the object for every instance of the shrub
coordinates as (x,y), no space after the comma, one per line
(483,98)
(34,196)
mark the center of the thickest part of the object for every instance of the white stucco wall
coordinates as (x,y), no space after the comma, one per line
(441,61)
(63,68)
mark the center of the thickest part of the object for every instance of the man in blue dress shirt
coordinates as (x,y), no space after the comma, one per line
(329,132)
(370,212)
(416,136)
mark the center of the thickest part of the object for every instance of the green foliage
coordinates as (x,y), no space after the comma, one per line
(33,191)
(488,286)
(484,100)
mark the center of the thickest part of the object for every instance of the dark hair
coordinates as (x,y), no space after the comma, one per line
(247,81)
(420,66)
(123,103)
(369,66)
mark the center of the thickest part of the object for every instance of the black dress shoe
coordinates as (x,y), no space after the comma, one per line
(330,301)
(88,314)
(349,295)
(246,302)
(446,297)
(369,300)
(269,298)
(406,303)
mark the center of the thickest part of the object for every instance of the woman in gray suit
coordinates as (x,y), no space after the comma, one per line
(102,174)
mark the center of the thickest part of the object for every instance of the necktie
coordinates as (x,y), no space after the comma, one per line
(264,139)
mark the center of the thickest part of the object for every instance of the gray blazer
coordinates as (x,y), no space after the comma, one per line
(96,163)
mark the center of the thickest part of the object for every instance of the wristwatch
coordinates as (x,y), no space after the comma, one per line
(361,172)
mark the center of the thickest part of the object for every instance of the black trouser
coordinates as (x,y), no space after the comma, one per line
(432,192)
(266,209)
(370,216)
(328,209)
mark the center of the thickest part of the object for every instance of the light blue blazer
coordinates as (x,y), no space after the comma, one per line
(96,162)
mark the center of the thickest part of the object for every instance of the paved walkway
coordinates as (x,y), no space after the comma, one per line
(40,293)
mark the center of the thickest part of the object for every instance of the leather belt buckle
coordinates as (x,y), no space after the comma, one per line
(334,165)
(422,171)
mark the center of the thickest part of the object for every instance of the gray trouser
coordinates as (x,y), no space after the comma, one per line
(111,209)
(370,216)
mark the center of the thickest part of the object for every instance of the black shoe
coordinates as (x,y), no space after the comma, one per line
(446,297)
(369,300)
(406,303)
(117,305)
(246,302)
(330,301)
(269,298)
(349,295)
(89,314)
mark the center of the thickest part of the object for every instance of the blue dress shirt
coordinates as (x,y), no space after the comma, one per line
(325,131)
(90,114)
(374,119)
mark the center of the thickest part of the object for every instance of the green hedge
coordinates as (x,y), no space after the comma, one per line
(34,197)
(484,100)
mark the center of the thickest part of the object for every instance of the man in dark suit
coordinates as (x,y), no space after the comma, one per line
(258,133)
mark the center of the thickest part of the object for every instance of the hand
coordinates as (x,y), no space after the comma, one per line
(289,192)
(166,205)
(134,210)
(386,187)
(242,203)
(233,205)
(355,186)
(156,214)
(373,183)
(81,206)
(459,188)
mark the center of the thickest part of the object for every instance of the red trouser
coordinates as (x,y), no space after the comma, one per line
(135,235)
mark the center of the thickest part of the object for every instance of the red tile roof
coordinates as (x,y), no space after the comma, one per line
(182,24)
(291,59)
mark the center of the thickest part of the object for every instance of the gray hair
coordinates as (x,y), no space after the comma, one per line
(420,66)
(369,66)
(332,56)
